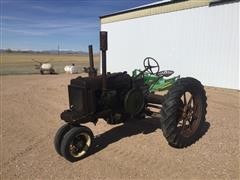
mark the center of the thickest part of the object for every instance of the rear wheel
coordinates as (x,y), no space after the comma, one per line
(183,112)
(76,143)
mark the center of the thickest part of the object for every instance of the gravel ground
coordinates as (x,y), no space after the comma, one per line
(30,108)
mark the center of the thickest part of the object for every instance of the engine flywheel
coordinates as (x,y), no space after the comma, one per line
(134,101)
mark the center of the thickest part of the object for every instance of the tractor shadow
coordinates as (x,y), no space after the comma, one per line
(131,128)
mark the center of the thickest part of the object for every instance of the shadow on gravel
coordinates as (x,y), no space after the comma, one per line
(203,131)
(131,128)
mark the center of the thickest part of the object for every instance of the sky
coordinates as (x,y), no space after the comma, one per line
(45,24)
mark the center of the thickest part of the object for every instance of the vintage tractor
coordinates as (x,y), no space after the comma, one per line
(118,97)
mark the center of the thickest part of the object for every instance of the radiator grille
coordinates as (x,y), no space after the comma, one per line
(76,96)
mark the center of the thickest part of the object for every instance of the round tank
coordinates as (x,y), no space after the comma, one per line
(72,69)
(46,66)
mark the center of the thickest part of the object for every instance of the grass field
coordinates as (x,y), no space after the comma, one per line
(22,63)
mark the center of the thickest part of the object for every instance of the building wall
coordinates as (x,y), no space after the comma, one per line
(200,42)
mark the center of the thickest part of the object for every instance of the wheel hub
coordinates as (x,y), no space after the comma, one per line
(187,122)
(79,145)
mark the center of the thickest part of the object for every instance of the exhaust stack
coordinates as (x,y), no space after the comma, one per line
(92,72)
(103,48)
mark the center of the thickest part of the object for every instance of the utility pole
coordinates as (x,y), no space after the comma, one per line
(58,49)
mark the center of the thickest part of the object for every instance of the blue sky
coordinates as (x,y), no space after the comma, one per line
(43,24)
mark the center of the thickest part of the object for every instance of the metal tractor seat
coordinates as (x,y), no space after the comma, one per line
(165,73)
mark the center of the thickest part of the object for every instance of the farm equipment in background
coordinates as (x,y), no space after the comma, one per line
(71,69)
(44,67)
(119,97)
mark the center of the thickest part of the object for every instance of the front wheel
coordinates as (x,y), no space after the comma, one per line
(183,112)
(76,143)
(59,136)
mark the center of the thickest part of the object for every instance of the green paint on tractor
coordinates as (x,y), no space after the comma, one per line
(155,82)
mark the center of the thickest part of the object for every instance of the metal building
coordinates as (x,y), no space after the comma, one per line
(197,38)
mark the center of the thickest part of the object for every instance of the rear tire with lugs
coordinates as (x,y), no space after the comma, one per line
(182,120)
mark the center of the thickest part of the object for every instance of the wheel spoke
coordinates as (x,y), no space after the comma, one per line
(183,123)
(186,117)
(190,101)
(185,99)
(194,116)
(180,123)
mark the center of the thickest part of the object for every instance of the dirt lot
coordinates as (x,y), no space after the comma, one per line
(30,108)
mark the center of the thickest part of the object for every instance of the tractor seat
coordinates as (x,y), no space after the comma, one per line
(165,73)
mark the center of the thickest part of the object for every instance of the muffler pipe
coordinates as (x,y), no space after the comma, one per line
(103,48)
(90,51)
(92,72)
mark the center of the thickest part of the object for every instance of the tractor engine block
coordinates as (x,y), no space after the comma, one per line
(86,97)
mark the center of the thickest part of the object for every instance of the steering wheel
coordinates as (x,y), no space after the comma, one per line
(151,65)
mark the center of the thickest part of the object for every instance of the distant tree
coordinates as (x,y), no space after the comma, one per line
(9,51)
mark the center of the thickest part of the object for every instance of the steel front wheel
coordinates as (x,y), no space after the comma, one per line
(183,112)
(76,143)
(59,136)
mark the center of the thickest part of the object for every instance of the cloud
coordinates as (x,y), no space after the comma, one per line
(65,27)
(44,26)
(24,32)
(65,24)
(47,9)
(14,18)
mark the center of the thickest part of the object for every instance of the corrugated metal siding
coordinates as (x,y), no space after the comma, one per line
(201,42)
(156,10)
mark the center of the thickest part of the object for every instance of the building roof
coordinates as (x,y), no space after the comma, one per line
(158,3)
(159,7)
